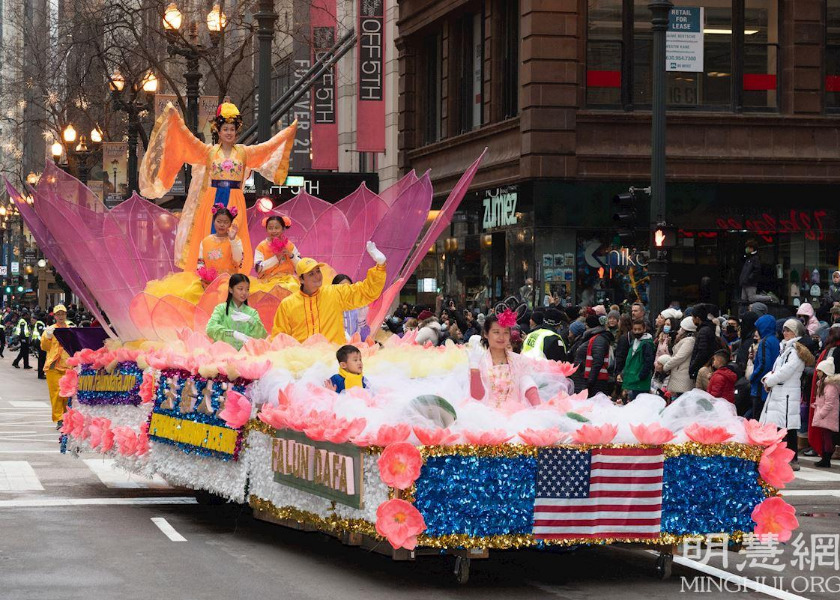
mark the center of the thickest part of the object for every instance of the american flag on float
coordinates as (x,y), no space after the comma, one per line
(603,492)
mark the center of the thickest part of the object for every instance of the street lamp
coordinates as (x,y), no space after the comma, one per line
(69,134)
(141,100)
(266,17)
(32,178)
(188,47)
(57,150)
(658,264)
(81,151)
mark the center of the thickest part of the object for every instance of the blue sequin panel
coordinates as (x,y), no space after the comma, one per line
(477,496)
(709,494)
(189,410)
(100,378)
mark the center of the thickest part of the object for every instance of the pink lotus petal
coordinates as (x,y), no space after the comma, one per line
(237,409)
(707,435)
(68,384)
(495,437)
(763,435)
(591,434)
(542,437)
(653,434)
(436,437)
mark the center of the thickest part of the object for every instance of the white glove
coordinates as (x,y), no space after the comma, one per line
(240,317)
(475,354)
(375,254)
(49,332)
(237,335)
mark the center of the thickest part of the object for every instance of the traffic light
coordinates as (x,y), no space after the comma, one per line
(20,288)
(664,237)
(626,217)
(8,289)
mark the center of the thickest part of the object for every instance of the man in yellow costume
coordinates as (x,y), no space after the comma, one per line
(56,363)
(318,308)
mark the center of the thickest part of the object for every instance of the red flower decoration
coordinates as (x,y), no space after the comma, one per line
(400,523)
(774,466)
(707,435)
(507,318)
(774,516)
(399,465)
(68,384)
(590,434)
(207,274)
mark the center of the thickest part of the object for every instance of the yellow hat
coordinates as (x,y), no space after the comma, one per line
(59,308)
(305,265)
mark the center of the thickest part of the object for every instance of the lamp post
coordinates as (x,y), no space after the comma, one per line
(188,47)
(266,18)
(143,97)
(81,151)
(658,265)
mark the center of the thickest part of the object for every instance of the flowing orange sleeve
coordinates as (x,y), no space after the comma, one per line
(170,146)
(271,159)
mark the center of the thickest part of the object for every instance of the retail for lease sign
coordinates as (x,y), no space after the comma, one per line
(684,40)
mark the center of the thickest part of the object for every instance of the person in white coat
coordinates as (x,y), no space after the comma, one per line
(676,365)
(784,386)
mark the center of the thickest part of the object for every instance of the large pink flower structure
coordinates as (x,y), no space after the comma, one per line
(107,256)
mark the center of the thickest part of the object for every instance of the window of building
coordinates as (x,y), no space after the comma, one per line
(432,91)
(832,56)
(510,58)
(470,57)
(740,56)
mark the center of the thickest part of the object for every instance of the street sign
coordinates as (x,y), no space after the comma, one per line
(15,268)
(684,40)
(4,270)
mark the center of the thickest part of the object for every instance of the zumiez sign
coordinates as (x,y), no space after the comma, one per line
(499,208)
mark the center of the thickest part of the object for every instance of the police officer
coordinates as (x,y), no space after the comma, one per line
(544,341)
(37,330)
(22,331)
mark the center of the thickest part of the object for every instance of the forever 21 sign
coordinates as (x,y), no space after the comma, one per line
(499,208)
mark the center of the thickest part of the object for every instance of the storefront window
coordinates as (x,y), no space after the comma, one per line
(740,56)
(832,56)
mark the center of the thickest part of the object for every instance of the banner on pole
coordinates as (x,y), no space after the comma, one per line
(115,166)
(370,112)
(324,119)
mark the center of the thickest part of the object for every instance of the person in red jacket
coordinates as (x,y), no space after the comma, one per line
(722,381)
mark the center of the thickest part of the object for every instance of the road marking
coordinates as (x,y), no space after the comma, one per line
(814,475)
(738,580)
(168,530)
(63,502)
(28,404)
(114,477)
(30,451)
(835,493)
(18,476)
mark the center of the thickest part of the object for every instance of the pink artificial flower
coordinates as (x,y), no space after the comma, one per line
(143,440)
(591,434)
(399,465)
(272,415)
(126,440)
(68,384)
(74,422)
(763,435)
(400,523)
(252,370)
(436,437)
(385,436)
(495,437)
(343,430)
(653,434)
(776,517)
(101,434)
(237,410)
(507,318)
(278,244)
(147,388)
(206,274)
(774,466)
(707,435)
(542,437)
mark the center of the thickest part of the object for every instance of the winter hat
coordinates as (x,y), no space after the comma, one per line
(577,328)
(613,314)
(553,317)
(827,367)
(592,321)
(480,319)
(671,313)
(759,308)
(795,326)
(688,325)
(835,310)
(425,314)
(538,317)
(599,309)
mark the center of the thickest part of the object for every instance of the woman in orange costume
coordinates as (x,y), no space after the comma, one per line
(218,174)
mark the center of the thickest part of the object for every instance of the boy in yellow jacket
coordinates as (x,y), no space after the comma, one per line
(56,363)
(318,308)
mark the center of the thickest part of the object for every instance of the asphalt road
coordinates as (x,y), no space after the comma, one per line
(78,528)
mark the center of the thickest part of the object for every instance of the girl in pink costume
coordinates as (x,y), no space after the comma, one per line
(498,377)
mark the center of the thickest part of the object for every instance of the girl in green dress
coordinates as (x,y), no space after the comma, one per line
(234,321)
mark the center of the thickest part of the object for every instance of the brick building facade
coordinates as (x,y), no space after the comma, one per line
(753,148)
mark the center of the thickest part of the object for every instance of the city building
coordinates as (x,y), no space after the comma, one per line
(560,93)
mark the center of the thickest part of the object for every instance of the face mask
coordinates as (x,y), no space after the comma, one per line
(638,336)
(666,329)
(731,329)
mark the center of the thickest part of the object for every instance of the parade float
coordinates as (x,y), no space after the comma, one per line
(412,465)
